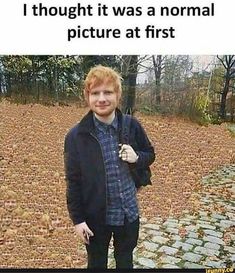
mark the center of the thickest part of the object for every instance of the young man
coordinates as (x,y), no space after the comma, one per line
(101,172)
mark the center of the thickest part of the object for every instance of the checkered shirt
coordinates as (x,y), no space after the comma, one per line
(120,187)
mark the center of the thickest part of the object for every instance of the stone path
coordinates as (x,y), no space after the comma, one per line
(231,127)
(193,241)
(203,240)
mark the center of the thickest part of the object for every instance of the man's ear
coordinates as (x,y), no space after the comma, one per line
(86,95)
(119,94)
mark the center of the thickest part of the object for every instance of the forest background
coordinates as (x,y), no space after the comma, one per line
(201,88)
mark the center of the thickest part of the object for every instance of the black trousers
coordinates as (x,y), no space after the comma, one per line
(124,239)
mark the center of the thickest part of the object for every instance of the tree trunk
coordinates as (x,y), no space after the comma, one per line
(232,108)
(34,79)
(8,85)
(223,97)
(38,93)
(1,85)
(228,61)
(157,63)
(129,90)
(56,83)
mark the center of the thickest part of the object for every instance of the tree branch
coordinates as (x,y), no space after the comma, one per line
(221,60)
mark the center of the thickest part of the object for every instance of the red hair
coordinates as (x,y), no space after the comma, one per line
(102,75)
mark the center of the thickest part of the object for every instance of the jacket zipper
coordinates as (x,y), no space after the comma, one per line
(106,202)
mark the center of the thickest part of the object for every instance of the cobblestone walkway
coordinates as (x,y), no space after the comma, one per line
(193,241)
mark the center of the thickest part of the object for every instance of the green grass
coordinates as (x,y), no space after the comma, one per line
(231,130)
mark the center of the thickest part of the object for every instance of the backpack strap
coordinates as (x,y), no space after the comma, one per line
(126,125)
(141,177)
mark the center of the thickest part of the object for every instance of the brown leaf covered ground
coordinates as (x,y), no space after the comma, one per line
(35,227)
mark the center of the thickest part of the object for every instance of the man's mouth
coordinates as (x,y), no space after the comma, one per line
(102,106)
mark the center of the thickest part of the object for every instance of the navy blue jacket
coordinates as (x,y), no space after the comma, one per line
(85,172)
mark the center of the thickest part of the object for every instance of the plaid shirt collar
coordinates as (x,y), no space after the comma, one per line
(103,127)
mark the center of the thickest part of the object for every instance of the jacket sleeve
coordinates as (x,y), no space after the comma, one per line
(145,150)
(73,179)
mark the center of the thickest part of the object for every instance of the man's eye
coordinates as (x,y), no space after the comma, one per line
(108,92)
(94,93)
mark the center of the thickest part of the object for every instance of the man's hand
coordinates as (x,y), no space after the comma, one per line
(83,232)
(127,153)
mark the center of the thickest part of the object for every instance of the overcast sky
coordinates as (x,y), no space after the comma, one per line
(201,62)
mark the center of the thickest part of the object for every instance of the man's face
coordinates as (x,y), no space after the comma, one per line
(103,100)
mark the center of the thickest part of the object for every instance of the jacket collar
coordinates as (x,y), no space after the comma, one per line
(86,125)
(103,127)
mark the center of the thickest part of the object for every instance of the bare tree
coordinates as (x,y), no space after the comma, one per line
(129,74)
(228,62)
(177,70)
(158,66)
(1,78)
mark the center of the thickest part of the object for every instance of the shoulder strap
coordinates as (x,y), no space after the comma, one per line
(126,124)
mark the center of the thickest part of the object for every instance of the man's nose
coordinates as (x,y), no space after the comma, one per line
(101,97)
